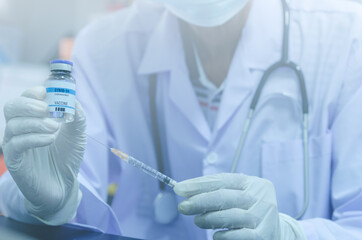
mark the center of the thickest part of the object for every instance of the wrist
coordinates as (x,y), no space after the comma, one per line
(290,228)
(64,214)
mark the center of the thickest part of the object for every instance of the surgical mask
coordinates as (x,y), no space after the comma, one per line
(205,13)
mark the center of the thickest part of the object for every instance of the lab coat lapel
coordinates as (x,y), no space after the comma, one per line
(164,53)
(182,93)
(184,98)
(234,96)
(159,49)
(259,47)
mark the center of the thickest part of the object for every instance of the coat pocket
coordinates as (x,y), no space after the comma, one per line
(283,164)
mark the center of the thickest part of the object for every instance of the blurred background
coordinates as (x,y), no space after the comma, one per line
(34,32)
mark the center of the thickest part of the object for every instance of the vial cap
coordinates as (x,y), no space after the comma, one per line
(61,65)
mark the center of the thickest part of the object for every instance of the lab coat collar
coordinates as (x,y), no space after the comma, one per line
(160,49)
(261,41)
(259,47)
(164,53)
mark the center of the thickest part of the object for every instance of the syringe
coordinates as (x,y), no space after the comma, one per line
(147,169)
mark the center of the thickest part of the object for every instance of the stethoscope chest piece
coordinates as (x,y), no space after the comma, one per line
(165,207)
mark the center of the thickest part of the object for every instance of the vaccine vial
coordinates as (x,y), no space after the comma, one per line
(60,88)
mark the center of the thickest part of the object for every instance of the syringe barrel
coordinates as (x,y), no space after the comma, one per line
(151,171)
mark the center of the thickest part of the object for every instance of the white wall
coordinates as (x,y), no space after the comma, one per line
(43,22)
(29,35)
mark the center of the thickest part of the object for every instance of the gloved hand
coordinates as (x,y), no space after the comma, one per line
(43,157)
(243,207)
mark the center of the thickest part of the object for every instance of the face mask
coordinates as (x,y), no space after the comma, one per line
(205,13)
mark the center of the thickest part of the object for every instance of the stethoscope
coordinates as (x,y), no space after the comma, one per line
(165,204)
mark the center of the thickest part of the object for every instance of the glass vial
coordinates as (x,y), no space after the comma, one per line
(60,88)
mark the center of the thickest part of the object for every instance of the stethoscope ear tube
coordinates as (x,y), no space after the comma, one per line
(155,128)
(165,203)
(286,63)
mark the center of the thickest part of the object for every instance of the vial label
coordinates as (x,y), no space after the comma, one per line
(60,96)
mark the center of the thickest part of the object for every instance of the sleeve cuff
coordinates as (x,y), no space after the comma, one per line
(65,214)
(291,228)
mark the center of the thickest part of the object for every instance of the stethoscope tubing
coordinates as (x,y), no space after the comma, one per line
(283,63)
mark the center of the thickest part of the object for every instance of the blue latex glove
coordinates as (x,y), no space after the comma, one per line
(242,207)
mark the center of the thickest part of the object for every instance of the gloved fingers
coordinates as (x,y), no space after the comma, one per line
(211,183)
(79,112)
(25,107)
(79,123)
(231,218)
(38,93)
(221,199)
(21,143)
(72,136)
(266,212)
(25,125)
(236,234)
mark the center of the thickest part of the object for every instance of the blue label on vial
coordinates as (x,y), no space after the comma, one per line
(61,106)
(60,90)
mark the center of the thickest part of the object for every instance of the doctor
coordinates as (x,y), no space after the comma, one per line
(278,189)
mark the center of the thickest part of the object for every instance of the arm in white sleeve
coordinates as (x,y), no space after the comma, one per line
(346,181)
(12,203)
(96,171)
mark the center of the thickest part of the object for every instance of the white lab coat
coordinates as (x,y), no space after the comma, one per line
(113,60)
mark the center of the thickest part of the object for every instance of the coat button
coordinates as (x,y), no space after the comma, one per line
(212,158)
